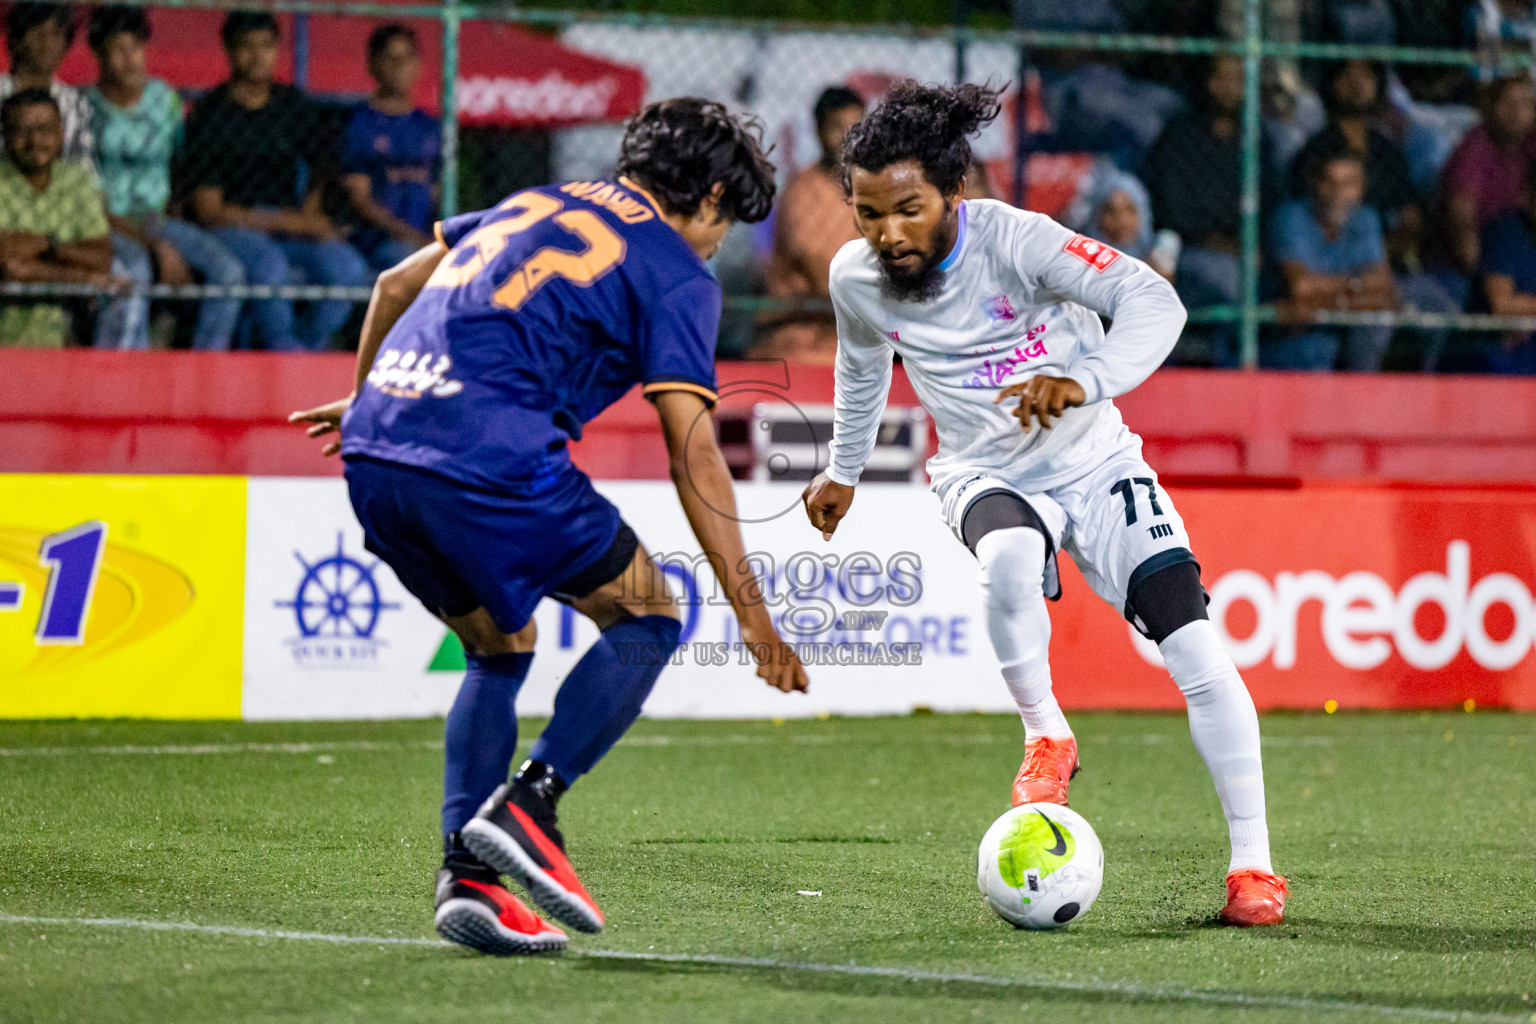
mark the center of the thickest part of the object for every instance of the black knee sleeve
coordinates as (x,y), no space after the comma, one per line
(1169,599)
(1004,510)
(999,510)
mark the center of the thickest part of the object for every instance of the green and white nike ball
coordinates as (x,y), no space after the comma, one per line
(1040,866)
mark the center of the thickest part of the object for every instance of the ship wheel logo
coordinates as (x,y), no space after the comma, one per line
(338,597)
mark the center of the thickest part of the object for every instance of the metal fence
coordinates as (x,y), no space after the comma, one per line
(267,223)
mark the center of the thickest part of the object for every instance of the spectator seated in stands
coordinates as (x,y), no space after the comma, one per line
(391,154)
(137,125)
(1483,179)
(254,163)
(1509,281)
(1194,176)
(1355,94)
(52,225)
(1333,256)
(1115,209)
(812,222)
(37,36)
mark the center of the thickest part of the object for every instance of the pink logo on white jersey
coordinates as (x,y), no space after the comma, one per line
(992,375)
(893,335)
(998,309)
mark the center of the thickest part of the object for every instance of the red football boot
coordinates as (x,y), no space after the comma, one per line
(1049,764)
(515,833)
(1254,897)
(474,910)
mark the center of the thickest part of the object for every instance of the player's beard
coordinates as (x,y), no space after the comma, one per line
(920,285)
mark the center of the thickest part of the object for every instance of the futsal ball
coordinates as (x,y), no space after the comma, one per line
(1040,866)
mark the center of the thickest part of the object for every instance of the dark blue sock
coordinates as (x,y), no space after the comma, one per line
(601,698)
(481,737)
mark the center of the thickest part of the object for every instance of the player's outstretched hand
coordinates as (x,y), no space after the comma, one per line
(324,419)
(777,663)
(1043,397)
(826,502)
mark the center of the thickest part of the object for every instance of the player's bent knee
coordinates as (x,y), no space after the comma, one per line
(480,635)
(658,600)
(525,639)
(1169,599)
(1012,566)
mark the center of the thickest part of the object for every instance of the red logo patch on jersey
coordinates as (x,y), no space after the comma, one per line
(1094,253)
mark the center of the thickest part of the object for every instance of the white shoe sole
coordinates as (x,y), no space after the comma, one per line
(505,854)
(473,924)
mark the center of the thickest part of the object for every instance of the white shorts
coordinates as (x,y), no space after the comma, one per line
(1115,522)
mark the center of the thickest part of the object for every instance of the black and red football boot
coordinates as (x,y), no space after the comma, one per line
(516,833)
(474,909)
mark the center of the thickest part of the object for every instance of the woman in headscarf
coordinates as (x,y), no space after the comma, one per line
(1114,208)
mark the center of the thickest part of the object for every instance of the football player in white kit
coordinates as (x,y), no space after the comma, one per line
(995,312)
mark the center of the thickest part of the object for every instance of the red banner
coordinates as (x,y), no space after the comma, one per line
(1368,596)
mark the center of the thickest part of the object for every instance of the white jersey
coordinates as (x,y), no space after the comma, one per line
(1022,296)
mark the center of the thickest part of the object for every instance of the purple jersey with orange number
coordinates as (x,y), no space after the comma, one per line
(548,309)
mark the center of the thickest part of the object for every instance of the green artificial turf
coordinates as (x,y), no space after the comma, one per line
(1408,840)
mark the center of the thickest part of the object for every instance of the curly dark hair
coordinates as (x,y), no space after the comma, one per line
(931,124)
(680,149)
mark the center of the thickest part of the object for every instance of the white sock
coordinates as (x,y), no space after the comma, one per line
(1225,728)
(1011,578)
(1037,704)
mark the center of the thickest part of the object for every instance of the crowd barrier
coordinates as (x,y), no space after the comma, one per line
(184,412)
(229,597)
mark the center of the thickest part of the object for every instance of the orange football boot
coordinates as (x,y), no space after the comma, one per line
(1049,764)
(1254,897)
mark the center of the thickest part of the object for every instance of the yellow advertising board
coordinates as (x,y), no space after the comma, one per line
(121,596)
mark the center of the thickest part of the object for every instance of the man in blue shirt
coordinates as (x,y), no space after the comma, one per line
(1509,281)
(391,154)
(1332,255)
(481,357)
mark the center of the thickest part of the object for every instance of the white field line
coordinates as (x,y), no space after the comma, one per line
(219,748)
(1126,991)
(662,740)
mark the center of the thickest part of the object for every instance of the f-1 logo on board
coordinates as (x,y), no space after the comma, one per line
(1094,253)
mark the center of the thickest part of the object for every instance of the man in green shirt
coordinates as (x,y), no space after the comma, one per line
(136,122)
(53,226)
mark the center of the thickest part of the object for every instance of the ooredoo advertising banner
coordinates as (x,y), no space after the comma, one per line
(1365,596)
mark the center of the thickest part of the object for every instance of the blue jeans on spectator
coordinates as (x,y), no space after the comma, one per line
(1304,350)
(273,261)
(1363,348)
(216,318)
(125,322)
(1428,294)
